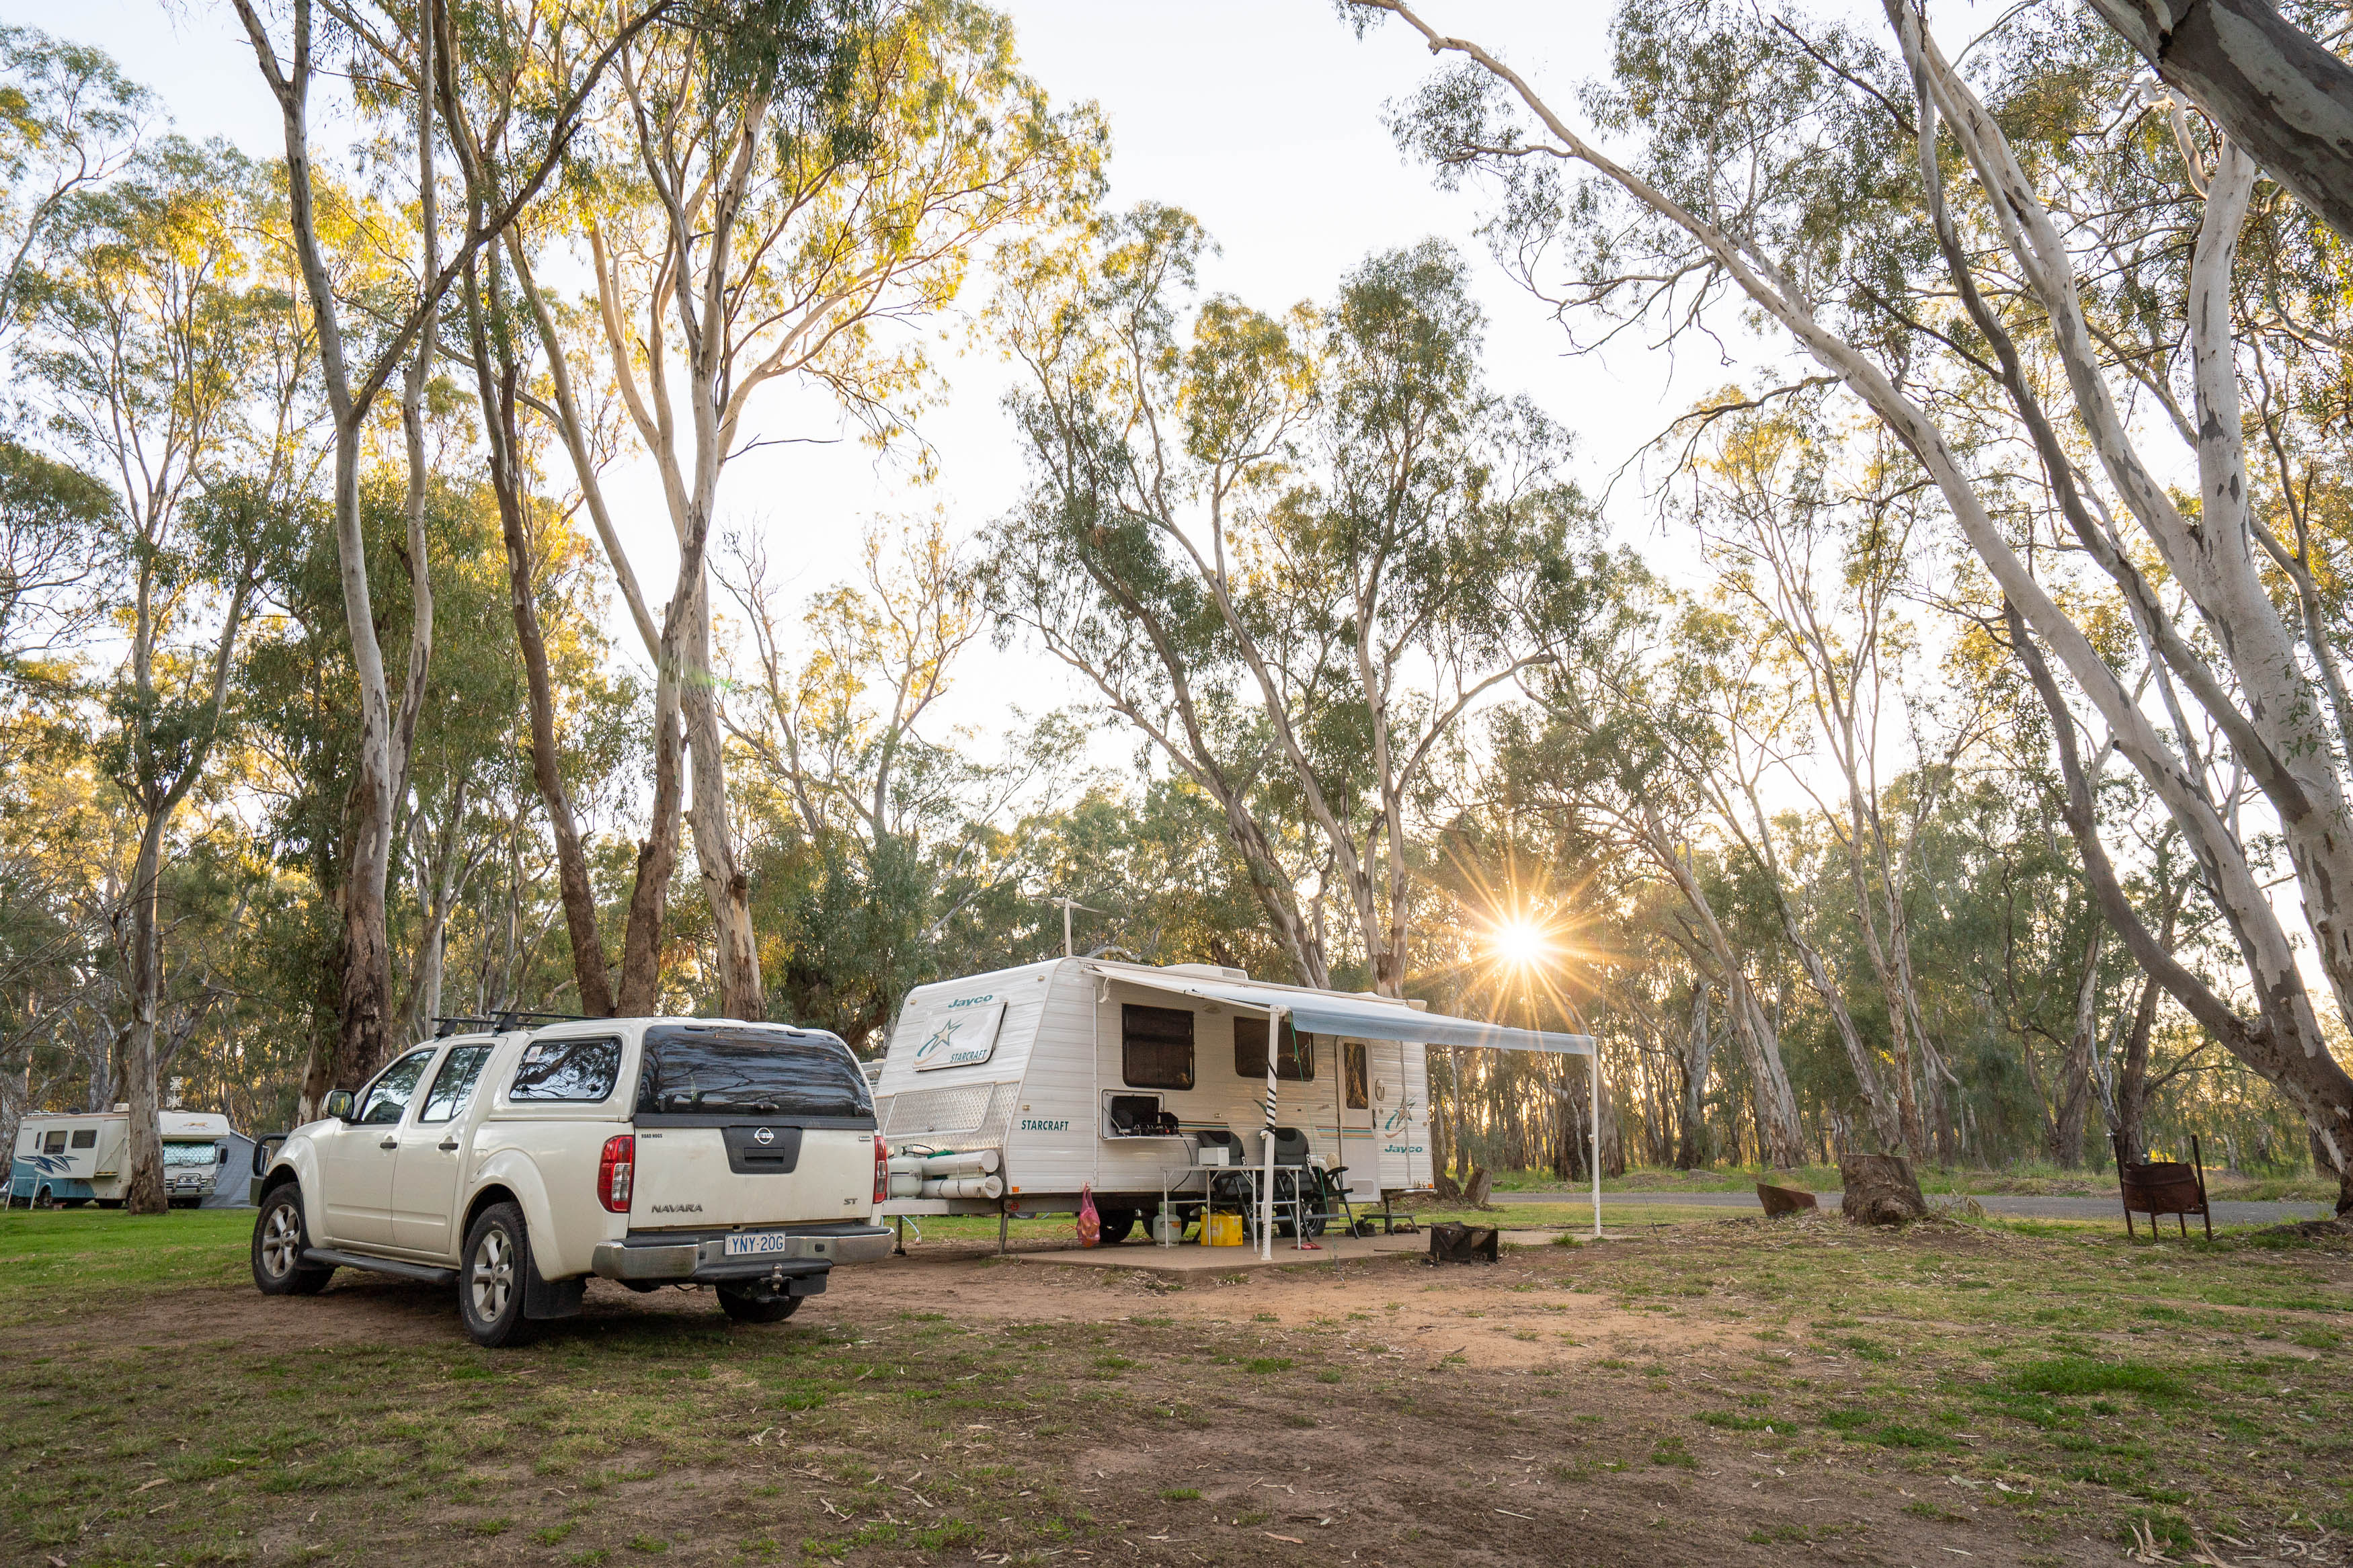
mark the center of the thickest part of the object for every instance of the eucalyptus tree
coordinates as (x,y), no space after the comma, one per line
(70,121)
(1812,178)
(1287,549)
(1633,745)
(2271,86)
(899,828)
(168,359)
(374,276)
(775,193)
(486,113)
(1811,531)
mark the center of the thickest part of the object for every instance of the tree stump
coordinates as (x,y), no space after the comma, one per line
(1475,1194)
(1880,1190)
(1778,1201)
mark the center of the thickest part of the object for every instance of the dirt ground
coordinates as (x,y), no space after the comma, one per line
(1684,1398)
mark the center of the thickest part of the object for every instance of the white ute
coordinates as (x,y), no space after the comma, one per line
(646,1150)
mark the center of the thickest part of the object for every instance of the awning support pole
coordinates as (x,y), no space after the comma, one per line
(1266,1186)
(1593,1085)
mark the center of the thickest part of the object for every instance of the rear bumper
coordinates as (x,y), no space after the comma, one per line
(807,1253)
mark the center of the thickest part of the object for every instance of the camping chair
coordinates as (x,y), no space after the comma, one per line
(2164,1186)
(1313,1188)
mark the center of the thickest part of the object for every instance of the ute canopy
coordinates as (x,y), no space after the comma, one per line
(1356,1017)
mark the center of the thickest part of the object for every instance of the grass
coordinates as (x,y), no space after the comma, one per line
(2048,1379)
(2030,1179)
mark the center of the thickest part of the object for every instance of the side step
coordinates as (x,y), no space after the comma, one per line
(328,1257)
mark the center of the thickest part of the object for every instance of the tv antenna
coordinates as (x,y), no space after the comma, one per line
(1068,904)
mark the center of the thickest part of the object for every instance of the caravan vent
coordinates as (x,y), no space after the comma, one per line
(982,1108)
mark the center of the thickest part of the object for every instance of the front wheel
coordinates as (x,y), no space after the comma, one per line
(491,1280)
(278,1243)
(757,1303)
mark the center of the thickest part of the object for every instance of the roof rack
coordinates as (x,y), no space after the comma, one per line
(502,1022)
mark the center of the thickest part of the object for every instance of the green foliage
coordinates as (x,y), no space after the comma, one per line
(2075,1376)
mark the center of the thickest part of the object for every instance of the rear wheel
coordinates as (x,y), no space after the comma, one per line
(757,1303)
(1118,1224)
(491,1280)
(278,1243)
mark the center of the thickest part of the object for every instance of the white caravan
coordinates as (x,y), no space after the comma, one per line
(1025,1084)
(70,1159)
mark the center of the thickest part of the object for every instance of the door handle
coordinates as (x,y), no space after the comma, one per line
(389,1143)
(447,1145)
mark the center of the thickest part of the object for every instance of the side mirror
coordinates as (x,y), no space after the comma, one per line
(340,1105)
(220,1154)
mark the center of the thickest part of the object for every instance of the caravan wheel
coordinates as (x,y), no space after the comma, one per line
(1118,1224)
(42,1199)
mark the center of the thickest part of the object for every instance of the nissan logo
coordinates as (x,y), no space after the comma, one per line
(764,1137)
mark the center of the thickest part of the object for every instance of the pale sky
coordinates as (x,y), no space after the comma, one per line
(1262,117)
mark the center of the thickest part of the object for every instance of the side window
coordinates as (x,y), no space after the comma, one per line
(1249,1052)
(1358,1076)
(57,1144)
(388,1096)
(576,1070)
(85,1138)
(453,1085)
(1156,1046)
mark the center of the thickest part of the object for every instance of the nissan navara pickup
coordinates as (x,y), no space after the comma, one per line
(650,1152)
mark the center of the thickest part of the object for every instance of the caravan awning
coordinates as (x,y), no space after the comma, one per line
(1358,1017)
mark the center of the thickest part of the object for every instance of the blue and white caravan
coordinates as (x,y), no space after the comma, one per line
(76,1159)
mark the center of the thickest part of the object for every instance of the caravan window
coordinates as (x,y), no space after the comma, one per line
(57,1143)
(1156,1046)
(85,1138)
(1354,1069)
(1249,1052)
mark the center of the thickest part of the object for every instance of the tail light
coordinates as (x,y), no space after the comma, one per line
(881,1169)
(615,1172)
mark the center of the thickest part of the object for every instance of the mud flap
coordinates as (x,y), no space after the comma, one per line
(546,1298)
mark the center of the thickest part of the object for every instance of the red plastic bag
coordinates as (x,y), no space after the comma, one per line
(1090,1222)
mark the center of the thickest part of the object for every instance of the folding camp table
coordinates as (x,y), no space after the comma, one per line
(1173,1176)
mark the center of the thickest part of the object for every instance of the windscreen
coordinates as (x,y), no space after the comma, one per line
(189,1154)
(720,1069)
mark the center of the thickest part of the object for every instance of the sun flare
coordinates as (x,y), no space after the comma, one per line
(1520,942)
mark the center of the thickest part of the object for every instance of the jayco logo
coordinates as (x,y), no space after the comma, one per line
(976,1017)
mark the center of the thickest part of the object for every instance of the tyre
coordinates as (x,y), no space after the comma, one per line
(278,1243)
(43,1200)
(490,1275)
(757,1303)
(1118,1224)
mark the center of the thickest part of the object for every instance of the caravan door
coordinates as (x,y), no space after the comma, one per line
(1359,1150)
